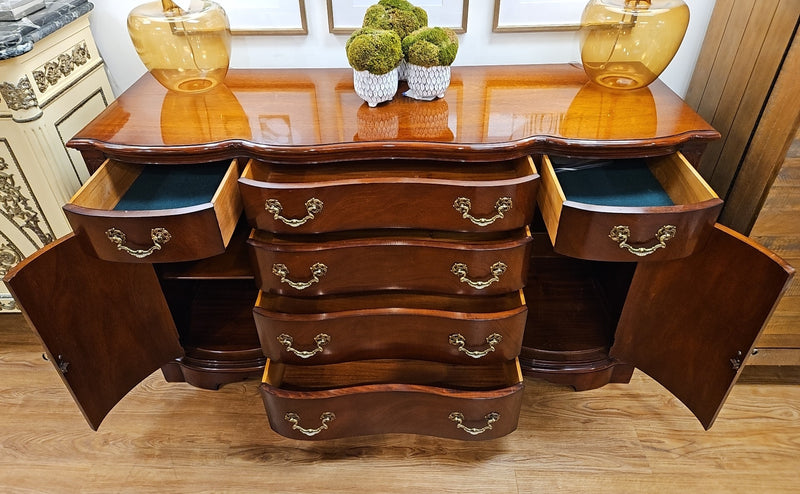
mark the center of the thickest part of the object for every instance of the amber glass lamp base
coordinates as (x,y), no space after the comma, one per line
(185,50)
(627,44)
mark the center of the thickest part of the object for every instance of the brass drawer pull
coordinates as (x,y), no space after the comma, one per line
(294,419)
(621,233)
(458,418)
(159,236)
(318,270)
(321,340)
(460,270)
(459,341)
(313,206)
(463,205)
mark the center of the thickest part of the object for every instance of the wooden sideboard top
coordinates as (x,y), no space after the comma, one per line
(314,115)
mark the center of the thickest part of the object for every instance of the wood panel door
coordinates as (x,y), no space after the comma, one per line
(690,323)
(105,326)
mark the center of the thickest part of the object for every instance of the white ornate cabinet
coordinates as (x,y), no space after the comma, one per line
(52,83)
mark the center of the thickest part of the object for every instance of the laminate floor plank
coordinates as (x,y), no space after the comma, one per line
(171,437)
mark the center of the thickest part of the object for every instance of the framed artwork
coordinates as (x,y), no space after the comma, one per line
(266,16)
(345,16)
(517,16)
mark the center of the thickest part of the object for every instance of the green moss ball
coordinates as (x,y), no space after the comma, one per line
(431,46)
(375,50)
(395,15)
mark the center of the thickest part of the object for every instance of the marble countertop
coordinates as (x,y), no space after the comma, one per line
(18,37)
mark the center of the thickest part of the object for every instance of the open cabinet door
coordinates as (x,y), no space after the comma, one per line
(690,323)
(105,326)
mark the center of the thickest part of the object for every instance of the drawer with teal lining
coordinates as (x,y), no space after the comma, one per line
(642,209)
(157,213)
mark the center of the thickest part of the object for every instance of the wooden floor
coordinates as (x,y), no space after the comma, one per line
(171,438)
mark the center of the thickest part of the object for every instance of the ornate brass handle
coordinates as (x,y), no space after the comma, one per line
(459,341)
(321,340)
(463,205)
(458,418)
(460,270)
(313,206)
(159,236)
(621,233)
(326,418)
(318,270)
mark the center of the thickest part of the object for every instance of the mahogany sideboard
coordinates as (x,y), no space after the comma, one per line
(398,268)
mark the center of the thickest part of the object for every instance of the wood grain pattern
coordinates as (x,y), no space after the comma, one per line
(326,119)
(633,438)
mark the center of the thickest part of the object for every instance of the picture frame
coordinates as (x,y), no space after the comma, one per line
(345,16)
(266,17)
(519,16)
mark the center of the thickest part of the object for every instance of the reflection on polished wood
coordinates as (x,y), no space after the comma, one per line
(624,438)
(489,113)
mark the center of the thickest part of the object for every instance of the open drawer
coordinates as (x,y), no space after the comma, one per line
(392,396)
(644,209)
(445,328)
(432,195)
(168,213)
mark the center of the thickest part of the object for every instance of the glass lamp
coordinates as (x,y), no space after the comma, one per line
(626,44)
(186,50)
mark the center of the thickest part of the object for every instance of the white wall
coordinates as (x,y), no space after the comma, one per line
(319,48)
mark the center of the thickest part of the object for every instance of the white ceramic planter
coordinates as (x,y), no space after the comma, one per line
(373,88)
(402,70)
(427,83)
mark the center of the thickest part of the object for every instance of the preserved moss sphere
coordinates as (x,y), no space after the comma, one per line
(395,15)
(431,46)
(375,50)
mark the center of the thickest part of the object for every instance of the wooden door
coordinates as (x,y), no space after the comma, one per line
(690,323)
(105,326)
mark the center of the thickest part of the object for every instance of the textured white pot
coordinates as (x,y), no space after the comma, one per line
(427,83)
(402,70)
(373,88)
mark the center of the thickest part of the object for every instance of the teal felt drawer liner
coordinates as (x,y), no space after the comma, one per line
(173,186)
(626,183)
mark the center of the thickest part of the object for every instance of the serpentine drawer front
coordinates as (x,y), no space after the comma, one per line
(139,213)
(464,264)
(645,209)
(445,328)
(478,197)
(364,398)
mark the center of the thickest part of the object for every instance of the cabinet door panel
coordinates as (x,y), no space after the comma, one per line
(689,323)
(104,325)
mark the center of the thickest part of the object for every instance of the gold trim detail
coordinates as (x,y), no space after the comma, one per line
(458,418)
(458,340)
(321,340)
(61,66)
(159,236)
(313,206)
(19,96)
(461,270)
(294,419)
(14,206)
(318,270)
(463,205)
(621,233)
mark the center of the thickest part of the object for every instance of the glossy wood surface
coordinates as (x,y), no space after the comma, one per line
(313,115)
(421,261)
(387,325)
(391,194)
(676,313)
(102,340)
(380,397)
